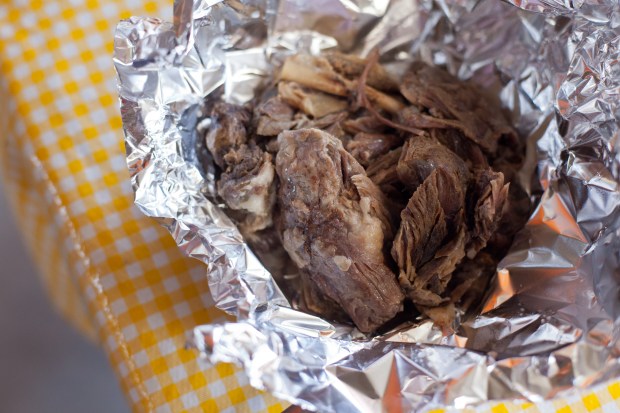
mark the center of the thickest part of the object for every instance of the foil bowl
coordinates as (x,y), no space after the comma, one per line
(549,324)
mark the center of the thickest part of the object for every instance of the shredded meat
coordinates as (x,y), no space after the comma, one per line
(315,301)
(366,147)
(365,123)
(334,226)
(273,116)
(382,190)
(315,104)
(352,67)
(248,185)
(422,155)
(384,174)
(488,196)
(450,103)
(428,244)
(228,131)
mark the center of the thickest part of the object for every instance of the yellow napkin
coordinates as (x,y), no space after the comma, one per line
(116,275)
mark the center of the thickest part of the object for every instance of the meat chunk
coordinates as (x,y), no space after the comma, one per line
(330,123)
(273,116)
(420,188)
(516,211)
(428,245)
(384,174)
(313,300)
(422,155)
(487,199)
(313,103)
(470,279)
(228,130)
(365,123)
(353,66)
(247,185)
(317,73)
(454,104)
(366,147)
(333,226)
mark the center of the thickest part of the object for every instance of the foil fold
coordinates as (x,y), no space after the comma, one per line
(549,324)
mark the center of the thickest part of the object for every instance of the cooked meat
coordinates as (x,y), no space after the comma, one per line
(317,73)
(273,116)
(313,300)
(427,246)
(334,226)
(470,279)
(272,146)
(329,123)
(467,150)
(422,155)
(364,123)
(442,315)
(367,147)
(487,199)
(311,102)
(267,246)
(228,130)
(509,157)
(455,104)
(383,173)
(516,213)
(436,274)
(422,187)
(248,185)
(353,66)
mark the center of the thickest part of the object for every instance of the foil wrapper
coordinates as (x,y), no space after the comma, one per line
(550,322)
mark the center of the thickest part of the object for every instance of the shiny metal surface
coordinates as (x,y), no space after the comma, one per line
(549,322)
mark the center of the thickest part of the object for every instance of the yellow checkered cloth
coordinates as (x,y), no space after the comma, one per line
(115,274)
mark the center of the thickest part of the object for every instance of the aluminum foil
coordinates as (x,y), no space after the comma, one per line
(550,322)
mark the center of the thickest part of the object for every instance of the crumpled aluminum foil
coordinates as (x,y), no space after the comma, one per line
(550,321)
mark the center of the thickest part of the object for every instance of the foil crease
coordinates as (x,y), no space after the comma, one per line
(549,324)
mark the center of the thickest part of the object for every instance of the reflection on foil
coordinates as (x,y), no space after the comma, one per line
(548,324)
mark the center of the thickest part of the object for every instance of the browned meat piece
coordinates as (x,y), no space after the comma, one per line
(272,146)
(470,279)
(428,247)
(487,199)
(248,185)
(329,123)
(436,274)
(313,300)
(433,195)
(516,214)
(509,157)
(352,67)
(422,155)
(383,173)
(452,139)
(454,104)
(268,248)
(366,147)
(442,316)
(273,116)
(365,123)
(334,228)
(467,150)
(228,130)
(317,73)
(311,102)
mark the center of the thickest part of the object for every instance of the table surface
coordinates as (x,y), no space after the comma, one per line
(47,366)
(113,273)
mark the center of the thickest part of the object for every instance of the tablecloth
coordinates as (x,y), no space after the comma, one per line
(116,275)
